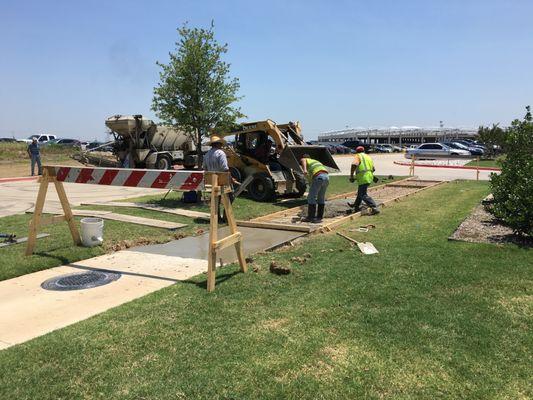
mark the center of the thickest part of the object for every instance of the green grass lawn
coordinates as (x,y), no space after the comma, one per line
(58,249)
(496,163)
(426,318)
(17,152)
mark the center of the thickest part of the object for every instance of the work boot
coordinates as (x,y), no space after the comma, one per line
(375,210)
(319,214)
(311,213)
(353,208)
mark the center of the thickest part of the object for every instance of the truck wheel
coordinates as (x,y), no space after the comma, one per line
(163,162)
(261,188)
(301,183)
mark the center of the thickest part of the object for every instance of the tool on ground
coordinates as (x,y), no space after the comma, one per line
(8,237)
(365,247)
(14,240)
(363,228)
(243,185)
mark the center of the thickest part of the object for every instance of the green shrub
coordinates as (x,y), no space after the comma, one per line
(513,188)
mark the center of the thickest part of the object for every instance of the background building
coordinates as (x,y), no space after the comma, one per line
(394,135)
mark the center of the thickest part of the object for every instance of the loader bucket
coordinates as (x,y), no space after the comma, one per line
(290,156)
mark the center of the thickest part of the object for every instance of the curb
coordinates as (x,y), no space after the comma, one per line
(407,164)
(20,179)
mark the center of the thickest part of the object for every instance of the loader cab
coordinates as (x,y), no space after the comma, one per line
(256,144)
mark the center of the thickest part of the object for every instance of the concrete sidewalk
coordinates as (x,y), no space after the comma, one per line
(18,197)
(28,311)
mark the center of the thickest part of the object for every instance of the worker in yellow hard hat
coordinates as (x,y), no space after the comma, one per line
(363,168)
(318,177)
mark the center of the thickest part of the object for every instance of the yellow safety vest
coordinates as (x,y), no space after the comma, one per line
(365,169)
(314,167)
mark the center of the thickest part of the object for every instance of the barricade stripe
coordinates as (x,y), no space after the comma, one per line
(85,175)
(134,178)
(162,180)
(107,178)
(62,173)
(193,181)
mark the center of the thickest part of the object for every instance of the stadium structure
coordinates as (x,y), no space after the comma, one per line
(406,135)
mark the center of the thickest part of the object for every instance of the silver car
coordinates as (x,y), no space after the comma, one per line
(433,150)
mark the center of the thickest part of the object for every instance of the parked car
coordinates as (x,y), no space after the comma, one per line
(429,150)
(470,144)
(40,138)
(383,148)
(7,140)
(353,144)
(475,151)
(331,148)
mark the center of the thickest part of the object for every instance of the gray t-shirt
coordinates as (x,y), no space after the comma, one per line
(215,160)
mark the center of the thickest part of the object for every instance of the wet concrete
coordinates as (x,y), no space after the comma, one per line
(255,240)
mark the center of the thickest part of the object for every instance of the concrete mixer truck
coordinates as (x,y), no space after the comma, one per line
(140,143)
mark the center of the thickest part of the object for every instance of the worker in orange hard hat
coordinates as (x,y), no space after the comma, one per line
(363,168)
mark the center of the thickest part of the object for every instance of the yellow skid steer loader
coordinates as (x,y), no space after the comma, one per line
(267,156)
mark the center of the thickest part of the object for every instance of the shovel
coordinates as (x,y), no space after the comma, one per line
(365,247)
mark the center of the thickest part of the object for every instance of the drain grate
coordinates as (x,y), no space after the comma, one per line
(80,280)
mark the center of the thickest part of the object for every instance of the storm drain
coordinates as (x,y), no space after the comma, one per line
(80,280)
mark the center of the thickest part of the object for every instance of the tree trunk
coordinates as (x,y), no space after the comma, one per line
(199,148)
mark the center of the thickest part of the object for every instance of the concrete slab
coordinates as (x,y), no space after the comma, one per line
(255,240)
(28,311)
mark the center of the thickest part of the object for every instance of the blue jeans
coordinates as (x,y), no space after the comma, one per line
(317,191)
(36,158)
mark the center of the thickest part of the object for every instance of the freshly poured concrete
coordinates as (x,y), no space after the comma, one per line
(255,240)
(28,311)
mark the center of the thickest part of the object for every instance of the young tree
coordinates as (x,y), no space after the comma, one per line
(195,92)
(513,188)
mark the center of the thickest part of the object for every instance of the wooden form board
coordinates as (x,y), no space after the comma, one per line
(153,207)
(293,210)
(156,223)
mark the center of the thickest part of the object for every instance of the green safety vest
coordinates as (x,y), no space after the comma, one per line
(314,167)
(365,170)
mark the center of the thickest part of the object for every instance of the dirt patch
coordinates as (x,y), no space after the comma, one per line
(483,227)
(275,324)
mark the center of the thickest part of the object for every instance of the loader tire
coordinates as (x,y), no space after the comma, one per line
(163,162)
(261,188)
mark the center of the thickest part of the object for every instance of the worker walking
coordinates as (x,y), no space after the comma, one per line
(35,156)
(319,179)
(215,160)
(363,167)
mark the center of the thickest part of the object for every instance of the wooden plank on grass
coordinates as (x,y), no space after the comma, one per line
(274,225)
(153,207)
(129,218)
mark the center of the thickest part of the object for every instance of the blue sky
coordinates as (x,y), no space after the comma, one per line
(67,65)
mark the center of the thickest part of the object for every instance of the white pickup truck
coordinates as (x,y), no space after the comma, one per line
(40,138)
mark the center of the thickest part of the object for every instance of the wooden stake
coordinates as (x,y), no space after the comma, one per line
(213,231)
(477,169)
(39,205)
(233,229)
(67,211)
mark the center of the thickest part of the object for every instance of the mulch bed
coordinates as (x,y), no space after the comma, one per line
(483,227)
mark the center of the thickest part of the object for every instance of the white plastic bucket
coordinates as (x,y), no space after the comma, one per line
(92,231)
